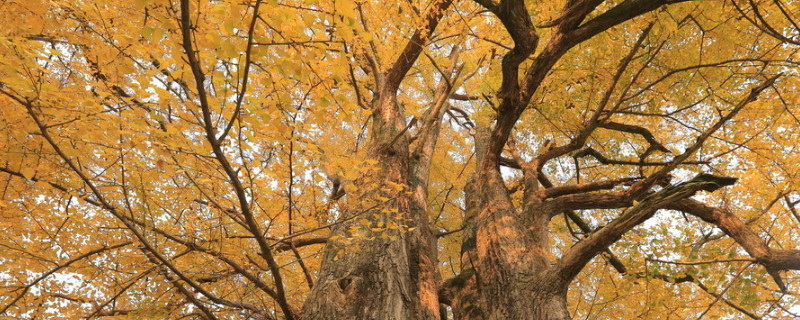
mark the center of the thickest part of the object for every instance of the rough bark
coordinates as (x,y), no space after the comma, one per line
(505,264)
(383,274)
(391,273)
(369,276)
(506,267)
(504,254)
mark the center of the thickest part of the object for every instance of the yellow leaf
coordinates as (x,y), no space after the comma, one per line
(28,172)
(147,32)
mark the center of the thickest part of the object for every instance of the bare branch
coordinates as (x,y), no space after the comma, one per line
(589,151)
(694,263)
(646,134)
(246,73)
(584,187)
(645,184)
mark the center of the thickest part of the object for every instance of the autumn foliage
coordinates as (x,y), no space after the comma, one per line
(341,159)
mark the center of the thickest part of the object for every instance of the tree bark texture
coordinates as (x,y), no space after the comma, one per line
(504,254)
(507,271)
(386,274)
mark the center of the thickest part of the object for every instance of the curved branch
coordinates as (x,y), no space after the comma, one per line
(591,200)
(594,122)
(511,107)
(646,134)
(573,260)
(760,22)
(772,260)
(586,229)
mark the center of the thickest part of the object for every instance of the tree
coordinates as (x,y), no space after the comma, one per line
(404,160)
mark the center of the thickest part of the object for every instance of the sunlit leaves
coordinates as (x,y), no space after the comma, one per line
(112,86)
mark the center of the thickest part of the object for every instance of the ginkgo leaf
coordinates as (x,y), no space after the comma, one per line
(28,172)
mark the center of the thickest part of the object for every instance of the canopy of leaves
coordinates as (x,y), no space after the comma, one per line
(187,158)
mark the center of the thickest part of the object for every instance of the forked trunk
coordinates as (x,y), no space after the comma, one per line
(505,277)
(504,257)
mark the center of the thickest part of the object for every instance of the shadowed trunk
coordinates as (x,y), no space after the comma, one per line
(383,273)
(390,272)
(504,254)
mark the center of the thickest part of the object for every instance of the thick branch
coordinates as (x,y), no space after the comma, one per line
(449,287)
(580,254)
(288,244)
(586,229)
(773,260)
(414,46)
(517,21)
(618,14)
(575,13)
(583,187)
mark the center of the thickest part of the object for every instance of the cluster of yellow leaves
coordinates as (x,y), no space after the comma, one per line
(112,88)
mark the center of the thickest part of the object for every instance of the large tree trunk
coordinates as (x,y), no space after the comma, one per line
(506,273)
(504,254)
(389,273)
(383,274)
